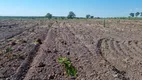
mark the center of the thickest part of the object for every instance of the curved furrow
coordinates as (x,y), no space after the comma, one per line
(104,46)
(112,61)
(134,48)
(132,51)
(138,50)
(112,56)
(112,48)
(125,49)
(92,56)
(107,50)
(118,48)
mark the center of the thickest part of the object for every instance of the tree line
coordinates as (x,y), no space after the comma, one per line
(71,15)
(137,14)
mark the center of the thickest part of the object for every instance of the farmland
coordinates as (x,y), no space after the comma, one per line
(110,50)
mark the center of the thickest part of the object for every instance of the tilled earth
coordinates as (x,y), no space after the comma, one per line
(99,52)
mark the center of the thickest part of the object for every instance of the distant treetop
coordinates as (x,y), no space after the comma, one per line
(48,15)
(71,15)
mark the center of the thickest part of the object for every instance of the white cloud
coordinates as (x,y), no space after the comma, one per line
(135,10)
(131,10)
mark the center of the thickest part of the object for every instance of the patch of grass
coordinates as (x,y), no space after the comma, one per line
(7,50)
(70,70)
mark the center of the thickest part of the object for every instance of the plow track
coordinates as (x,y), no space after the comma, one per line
(113,52)
(121,55)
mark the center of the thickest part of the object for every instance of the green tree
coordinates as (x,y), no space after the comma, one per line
(132,14)
(141,14)
(48,15)
(137,14)
(88,16)
(71,15)
(92,17)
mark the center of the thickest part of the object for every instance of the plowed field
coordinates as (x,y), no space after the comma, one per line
(29,49)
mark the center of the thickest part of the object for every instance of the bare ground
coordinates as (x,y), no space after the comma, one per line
(98,52)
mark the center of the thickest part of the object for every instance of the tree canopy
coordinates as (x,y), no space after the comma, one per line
(92,17)
(88,16)
(137,14)
(71,15)
(48,15)
(132,14)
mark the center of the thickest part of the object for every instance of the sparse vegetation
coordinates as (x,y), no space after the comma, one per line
(69,38)
(7,50)
(70,70)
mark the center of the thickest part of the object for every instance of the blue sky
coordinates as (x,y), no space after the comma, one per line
(100,8)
